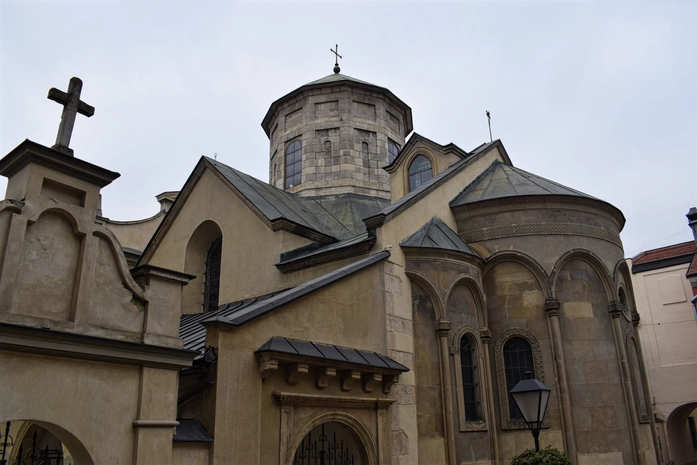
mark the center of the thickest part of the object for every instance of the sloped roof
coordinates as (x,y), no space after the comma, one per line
(501,180)
(378,218)
(437,235)
(330,353)
(338,77)
(241,315)
(663,257)
(313,254)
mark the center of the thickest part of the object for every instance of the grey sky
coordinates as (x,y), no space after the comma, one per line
(599,96)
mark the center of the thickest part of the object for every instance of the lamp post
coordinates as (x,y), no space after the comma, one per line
(531,397)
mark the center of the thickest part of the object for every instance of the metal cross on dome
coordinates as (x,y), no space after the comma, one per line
(336,59)
(72,105)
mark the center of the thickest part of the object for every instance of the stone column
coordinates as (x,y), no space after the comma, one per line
(442,328)
(615,310)
(552,307)
(487,388)
(645,382)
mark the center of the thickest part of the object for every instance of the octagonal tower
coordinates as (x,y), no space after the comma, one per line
(334,136)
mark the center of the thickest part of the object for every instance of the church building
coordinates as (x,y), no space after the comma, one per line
(373,303)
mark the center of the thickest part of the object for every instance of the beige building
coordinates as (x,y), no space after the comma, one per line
(665,286)
(372,304)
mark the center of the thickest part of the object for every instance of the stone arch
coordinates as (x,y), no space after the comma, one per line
(78,451)
(479,299)
(636,377)
(430,289)
(622,279)
(65,214)
(679,440)
(352,424)
(592,260)
(194,264)
(506,422)
(410,159)
(522,259)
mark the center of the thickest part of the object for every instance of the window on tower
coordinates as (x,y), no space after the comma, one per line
(294,161)
(419,171)
(392,150)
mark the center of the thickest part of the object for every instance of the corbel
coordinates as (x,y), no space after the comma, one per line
(266,364)
(388,381)
(323,375)
(348,377)
(295,370)
(369,381)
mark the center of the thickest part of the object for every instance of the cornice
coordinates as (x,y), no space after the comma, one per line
(291,398)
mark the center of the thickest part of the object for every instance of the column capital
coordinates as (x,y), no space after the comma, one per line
(485,335)
(552,307)
(636,319)
(615,309)
(442,327)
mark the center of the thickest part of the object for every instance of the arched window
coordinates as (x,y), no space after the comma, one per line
(468,365)
(517,359)
(328,147)
(212,276)
(637,380)
(294,162)
(419,171)
(392,151)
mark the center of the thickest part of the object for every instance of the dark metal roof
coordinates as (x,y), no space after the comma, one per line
(377,219)
(240,316)
(501,180)
(436,234)
(191,431)
(311,256)
(329,352)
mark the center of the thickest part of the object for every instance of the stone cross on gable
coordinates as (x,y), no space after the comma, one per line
(72,105)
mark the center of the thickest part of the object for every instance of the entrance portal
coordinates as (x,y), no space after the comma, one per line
(330,443)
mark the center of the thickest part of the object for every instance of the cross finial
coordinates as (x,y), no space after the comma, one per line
(72,105)
(336,59)
(488,117)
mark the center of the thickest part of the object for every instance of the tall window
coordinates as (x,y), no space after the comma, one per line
(294,162)
(419,171)
(212,276)
(517,359)
(468,365)
(392,151)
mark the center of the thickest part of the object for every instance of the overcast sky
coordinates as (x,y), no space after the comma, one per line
(599,96)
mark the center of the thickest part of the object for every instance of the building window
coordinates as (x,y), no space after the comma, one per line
(516,352)
(212,276)
(693,431)
(468,365)
(637,380)
(294,161)
(517,358)
(419,171)
(364,149)
(392,150)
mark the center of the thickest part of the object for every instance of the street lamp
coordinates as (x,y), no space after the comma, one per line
(531,397)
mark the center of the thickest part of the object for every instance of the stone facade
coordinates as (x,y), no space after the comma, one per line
(385,330)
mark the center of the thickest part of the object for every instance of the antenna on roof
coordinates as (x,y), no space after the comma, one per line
(336,59)
(488,116)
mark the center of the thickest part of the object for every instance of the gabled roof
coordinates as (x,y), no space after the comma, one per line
(313,254)
(502,180)
(418,138)
(333,80)
(329,353)
(239,316)
(412,197)
(437,235)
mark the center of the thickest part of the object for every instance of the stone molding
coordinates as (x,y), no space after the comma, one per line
(636,376)
(552,307)
(506,422)
(540,229)
(464,424)
(319,400)
(464,212)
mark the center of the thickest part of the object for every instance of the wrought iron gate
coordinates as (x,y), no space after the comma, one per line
(33,456)
(322,451)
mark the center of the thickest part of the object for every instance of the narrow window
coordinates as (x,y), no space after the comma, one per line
(469,385)
(327,147)
(392,150)
(419,172)
(364,149)
(693,431)
(294,161)
(517,359)
(212,276)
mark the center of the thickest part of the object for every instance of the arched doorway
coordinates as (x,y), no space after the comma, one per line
(682,434)
(330,443)
(39,443)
